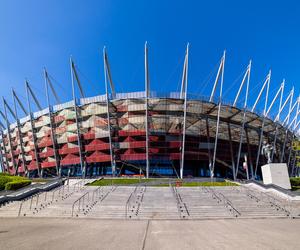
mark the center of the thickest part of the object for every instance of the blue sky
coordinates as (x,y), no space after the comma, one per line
(37,34)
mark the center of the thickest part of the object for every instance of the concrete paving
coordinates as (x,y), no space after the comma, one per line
(66,233)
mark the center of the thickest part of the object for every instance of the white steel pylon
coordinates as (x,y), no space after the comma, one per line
(147,88)
(246,79)
(184,85)
(221,76)
(49,83)
(291,95)
(266,86)
(28,93)
(108,73)
(75,75)
(107,78)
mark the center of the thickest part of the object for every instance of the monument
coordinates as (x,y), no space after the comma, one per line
(274,173)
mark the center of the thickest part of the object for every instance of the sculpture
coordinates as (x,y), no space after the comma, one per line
(267,150)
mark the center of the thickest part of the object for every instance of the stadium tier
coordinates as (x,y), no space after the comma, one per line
(147,133)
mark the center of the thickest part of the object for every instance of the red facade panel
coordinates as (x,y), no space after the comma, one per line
(48,164)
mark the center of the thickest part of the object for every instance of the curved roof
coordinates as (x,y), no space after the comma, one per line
(196,104)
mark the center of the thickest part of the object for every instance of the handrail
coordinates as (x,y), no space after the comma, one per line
(20,208)
(53,192)
(95,191)
(78,200)
(88,194)
(31,202)
(214,194)
(112,188)
(229,203)
(77,184)
(186,209)
(141,199)
(225,200)
(179,200)
(272,200)
(128,200)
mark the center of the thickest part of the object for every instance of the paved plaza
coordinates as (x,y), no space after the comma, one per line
(66,233)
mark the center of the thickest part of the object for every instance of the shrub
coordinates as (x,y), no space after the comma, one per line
(15,185)
(3,180)
(295,181)
(5,174)
(17,178)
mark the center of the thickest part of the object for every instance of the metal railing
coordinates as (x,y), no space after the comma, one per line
(20,208)
(43,199)
(180,204)
(91,200)
(223,199)
(58,190)
(80,202)
(229,204)
(135,199)
(78,185)
(283,205)
(96,193)
(27,200)
(128,201)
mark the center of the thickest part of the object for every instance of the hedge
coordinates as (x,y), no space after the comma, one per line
(6,178)
(15,185)
(295,181)
(3,180)
(5,174)
(120,181)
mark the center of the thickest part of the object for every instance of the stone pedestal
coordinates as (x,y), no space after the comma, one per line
(277,174)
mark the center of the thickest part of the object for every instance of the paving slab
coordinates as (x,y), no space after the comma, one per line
(224,234)
(45,233)
(67,233)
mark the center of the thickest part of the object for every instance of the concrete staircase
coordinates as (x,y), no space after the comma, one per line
(141,202)
(10,209)
(157,203)
(113,204)
(55,203)
(254,204)
(201,203)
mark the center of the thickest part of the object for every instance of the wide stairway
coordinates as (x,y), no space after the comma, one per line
(112,203)
(148,202)
(254,204)
(202,203)
(55,203)
(10,209)
(157,203)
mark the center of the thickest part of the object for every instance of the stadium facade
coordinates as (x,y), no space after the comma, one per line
(174,134)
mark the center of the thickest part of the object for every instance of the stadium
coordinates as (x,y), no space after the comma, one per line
(149,133)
